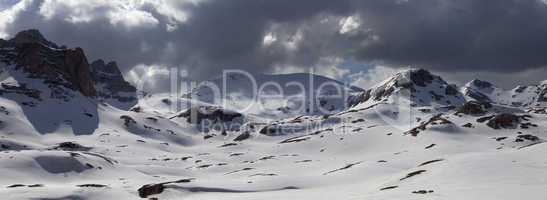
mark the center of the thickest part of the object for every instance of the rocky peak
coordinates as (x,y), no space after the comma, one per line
(421,77)
(101,68)
(479,84)
(32,36)
(417,85)
(414,77)
(111,86)
(30,51)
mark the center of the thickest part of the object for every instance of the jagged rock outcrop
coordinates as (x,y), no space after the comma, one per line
(32,36)
(421,77)
(474,108)
(208,112)
(506,120)
(212,117)
(30,51)
(61,68)
(110,83)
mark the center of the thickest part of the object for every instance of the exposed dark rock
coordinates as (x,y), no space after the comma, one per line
(474,108)
(228,144)
(451,90)
(343,168)
(500,138)
(295,139)
(429,162)
(166,101)
(196,115)
(262,174)
(538,110)
(44,59)
(110,83)
(16,185)
(35,185)
(71,146)
(357,99)
(468,125)
(267,158)
(20,89)
(421,77)
(152,189)
(505,120)
(207,136)
(389,188)
(477,95)
(422,191)
(240,170)
(245,135)
(32,36)
(269,130)
(204,166)
(436,96)
(437,119)
(137,109)
(481,84)
(127,120)
(521,138)
(413,174)
(92,185)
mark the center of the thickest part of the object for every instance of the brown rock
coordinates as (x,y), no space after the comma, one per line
(32,36)
(150,189)
(474,108)
(58,66)
(504,120)
(78,68)
(44,59)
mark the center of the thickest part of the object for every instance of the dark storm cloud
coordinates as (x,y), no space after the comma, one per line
(444,35)
(217,34)
(507,35)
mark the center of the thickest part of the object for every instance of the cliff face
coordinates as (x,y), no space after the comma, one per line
(30,51)
(110,84)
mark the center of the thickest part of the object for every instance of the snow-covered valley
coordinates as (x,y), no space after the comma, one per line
(412,136)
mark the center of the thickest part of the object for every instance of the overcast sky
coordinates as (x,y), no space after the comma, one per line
(504,41)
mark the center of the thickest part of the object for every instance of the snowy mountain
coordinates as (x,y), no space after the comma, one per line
(276,96)
(417,86)
(74,130)
(520,96)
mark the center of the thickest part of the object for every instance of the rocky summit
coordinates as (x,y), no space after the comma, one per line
(60,67)
(111,85)
(30,51)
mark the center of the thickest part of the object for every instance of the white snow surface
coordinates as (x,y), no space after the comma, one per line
(362,152)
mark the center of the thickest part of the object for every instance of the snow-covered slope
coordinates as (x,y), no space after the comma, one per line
(275,96)
(412,136)
(520,96)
